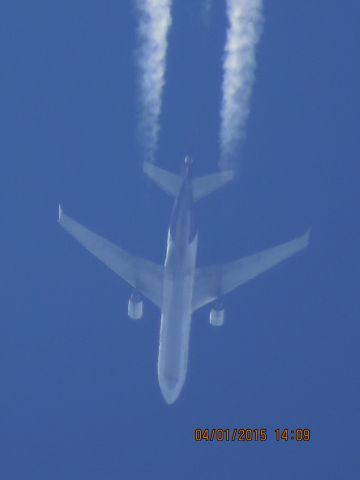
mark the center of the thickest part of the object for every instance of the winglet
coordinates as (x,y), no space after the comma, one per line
(306,237)
(60,212)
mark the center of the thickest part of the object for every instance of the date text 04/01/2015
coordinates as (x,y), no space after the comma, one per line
(250,434)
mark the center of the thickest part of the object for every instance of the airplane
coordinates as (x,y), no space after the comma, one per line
(179,288)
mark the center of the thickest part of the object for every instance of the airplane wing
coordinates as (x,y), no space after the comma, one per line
(218,280)
(145,276)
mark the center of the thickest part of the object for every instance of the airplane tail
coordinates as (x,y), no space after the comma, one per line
(202,186)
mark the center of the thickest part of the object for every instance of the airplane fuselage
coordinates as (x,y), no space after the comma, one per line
(178,286)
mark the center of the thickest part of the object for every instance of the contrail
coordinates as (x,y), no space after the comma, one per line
(154,25)
(245,22)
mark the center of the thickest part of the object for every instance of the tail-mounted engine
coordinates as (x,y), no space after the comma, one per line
(217,314)
(135,306)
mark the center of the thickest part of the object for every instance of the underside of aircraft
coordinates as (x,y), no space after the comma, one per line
(179,288)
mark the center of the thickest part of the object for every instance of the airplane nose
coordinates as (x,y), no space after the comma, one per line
(170,389)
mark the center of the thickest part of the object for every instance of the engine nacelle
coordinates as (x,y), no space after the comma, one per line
(135,306)
(217,315)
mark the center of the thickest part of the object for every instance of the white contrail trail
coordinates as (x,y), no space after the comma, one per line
(245,21)
(154,25)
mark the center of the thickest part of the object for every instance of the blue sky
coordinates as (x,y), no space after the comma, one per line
(79,392)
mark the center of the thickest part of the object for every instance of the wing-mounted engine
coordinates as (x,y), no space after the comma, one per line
(217,314)
(135,306)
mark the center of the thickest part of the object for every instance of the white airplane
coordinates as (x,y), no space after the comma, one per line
(178,288)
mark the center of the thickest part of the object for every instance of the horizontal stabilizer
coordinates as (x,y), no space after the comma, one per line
(203,186)
(169,182)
